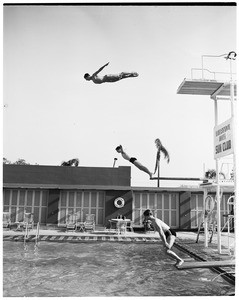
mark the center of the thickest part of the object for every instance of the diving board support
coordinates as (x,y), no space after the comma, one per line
(206,264)
(219,243)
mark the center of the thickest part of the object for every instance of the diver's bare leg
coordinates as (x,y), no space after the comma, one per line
(142,168)
(171,240)
(126,75)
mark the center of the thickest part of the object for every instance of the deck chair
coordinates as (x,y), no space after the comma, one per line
(121,226)
(6,220)
(71,222)
(129,226)
(90,222)
(111,225)
(28,221)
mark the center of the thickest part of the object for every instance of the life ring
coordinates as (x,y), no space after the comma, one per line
(119,202)
(209,204)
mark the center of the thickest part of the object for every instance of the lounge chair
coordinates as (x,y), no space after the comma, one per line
(71,222)
(27,222)
(111,225)
(6,220)
(90,222)
(129,226)
(121,226)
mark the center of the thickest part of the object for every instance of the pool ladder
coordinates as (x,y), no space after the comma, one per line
(26,236)
(37,232)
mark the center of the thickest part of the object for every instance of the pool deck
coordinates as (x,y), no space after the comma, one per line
(186,242)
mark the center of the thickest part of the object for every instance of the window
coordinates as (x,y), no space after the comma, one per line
(18,201)
(196,209)
(165,206)
(80,203)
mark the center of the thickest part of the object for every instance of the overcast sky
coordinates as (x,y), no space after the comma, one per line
(51,113)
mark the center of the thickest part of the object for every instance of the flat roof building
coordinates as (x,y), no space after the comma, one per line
(54,193)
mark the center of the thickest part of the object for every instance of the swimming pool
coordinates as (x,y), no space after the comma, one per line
(101,269)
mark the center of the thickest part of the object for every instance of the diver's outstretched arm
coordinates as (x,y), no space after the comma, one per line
(100,69)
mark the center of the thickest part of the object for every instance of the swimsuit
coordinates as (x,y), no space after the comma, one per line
(132,159)
(169,232)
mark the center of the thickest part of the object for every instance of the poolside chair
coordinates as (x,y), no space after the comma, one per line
(121,226)
(6,220)
(129,226)
(90,222)
(28,220)
(71,222)
(111,225)
(25,221)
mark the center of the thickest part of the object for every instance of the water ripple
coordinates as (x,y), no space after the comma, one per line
(100,269)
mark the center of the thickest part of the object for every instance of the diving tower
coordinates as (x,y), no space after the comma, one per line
(217,90)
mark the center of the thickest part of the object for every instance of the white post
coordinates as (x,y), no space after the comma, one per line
(205,219)
(233,118)
(218,209)
(228,226)
(218,189)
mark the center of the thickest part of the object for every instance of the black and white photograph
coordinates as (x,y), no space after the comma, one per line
(119,139)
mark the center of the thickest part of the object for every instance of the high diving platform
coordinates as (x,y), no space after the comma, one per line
(223,89)
(206,87)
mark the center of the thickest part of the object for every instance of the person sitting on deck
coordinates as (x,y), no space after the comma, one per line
(110,77)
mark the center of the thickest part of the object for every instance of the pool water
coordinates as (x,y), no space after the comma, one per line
(101,269)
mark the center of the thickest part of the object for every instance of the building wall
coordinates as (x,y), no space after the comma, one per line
(181,208)
(53,206)
(28,174)
(184,210)
(111,211)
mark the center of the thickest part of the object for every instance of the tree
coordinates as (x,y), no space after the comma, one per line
(70,163)
(212,174)
(21,161)
(6,161)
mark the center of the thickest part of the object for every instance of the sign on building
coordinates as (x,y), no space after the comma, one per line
(223,139)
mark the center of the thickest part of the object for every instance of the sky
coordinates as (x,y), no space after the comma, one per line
(52,114)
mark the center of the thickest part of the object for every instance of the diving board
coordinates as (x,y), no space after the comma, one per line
(206,264)
(205,87)
(178,178)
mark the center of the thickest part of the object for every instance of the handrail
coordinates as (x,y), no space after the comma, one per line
(200,69)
